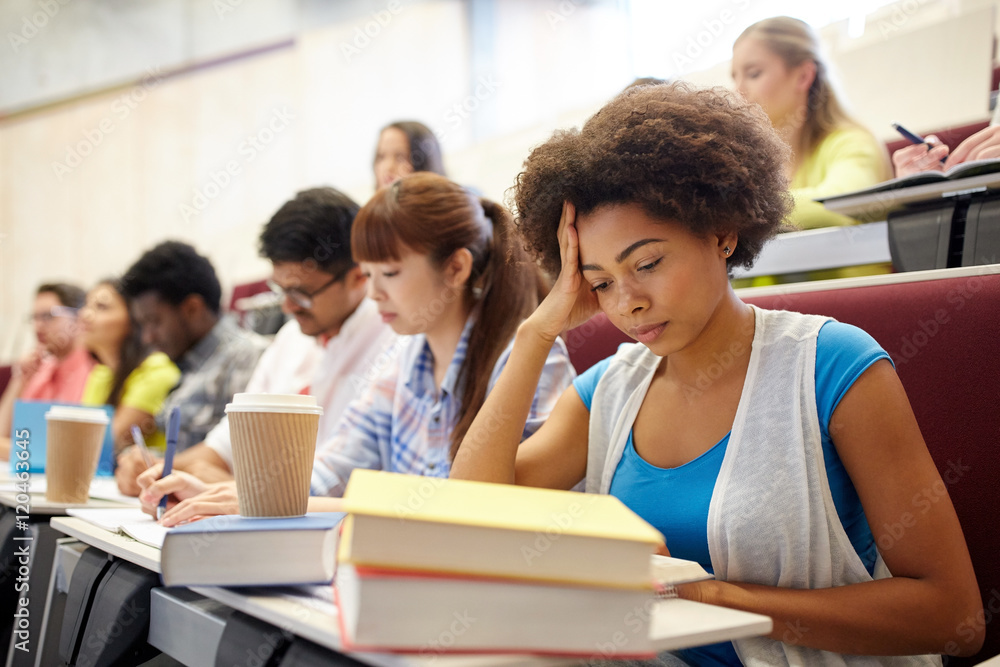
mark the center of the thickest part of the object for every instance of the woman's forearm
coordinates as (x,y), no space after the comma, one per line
(490,446)
(895,616)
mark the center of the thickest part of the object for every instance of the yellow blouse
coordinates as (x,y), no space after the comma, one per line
(847,159)
(145,388)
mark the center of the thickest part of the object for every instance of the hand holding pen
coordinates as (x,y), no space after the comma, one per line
(926,153)
(173,428)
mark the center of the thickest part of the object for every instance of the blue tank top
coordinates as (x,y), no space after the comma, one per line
(675,500)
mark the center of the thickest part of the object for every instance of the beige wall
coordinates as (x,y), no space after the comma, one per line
(159,150)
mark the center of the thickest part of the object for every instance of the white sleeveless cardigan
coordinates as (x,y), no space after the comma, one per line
(771,519)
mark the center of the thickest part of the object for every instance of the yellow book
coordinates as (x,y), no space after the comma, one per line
(463,528)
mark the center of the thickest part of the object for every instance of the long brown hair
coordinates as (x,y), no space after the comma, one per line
(430,214)
(133,352)
(795,42)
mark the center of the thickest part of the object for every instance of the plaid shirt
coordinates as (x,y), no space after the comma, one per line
(218,366)
(403,424)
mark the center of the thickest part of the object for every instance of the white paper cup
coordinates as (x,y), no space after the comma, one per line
(74,437)
(274,442)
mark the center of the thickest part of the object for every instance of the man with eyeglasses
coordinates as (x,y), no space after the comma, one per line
(331,346)
(57,368)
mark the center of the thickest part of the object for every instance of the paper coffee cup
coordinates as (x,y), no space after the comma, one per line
(274,442)
(74,437)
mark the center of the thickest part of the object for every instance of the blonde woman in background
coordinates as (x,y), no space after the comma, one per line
(777,63)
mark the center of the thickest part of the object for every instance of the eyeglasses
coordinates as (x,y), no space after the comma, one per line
(299,296)
(55,311)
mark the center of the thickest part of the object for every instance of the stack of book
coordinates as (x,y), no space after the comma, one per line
(433,566)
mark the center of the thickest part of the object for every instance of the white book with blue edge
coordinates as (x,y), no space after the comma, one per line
(232,550)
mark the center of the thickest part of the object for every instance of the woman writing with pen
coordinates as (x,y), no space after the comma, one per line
(777,63)
(929,154)
(448,273)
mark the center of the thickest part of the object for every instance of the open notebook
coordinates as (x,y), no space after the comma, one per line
(128,521)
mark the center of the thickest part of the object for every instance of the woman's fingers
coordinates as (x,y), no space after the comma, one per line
(219,499)
(979,146)
(179,484)
(918,158)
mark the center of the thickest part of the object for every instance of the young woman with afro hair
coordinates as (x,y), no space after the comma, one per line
(777,449)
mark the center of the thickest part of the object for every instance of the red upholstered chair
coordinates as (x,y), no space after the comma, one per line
(941,329)
(246,290)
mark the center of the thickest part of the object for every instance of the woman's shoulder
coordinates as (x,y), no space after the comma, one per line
(157,366)
(849,137)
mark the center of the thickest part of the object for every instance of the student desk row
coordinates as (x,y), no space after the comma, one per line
(27,547)
(194,625)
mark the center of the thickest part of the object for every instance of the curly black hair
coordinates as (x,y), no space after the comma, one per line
(173,270)
(704,158)
(314,226)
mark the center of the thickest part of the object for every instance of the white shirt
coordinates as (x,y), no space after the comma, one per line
(295,363)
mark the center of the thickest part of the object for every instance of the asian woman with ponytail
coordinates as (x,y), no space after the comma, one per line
(448,274)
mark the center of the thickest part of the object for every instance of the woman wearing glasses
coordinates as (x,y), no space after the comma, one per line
(56,369)
(446,272)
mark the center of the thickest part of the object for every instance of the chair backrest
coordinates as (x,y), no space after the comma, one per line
(939,327)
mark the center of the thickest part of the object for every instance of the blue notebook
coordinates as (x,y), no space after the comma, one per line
(231,550)
(30,416)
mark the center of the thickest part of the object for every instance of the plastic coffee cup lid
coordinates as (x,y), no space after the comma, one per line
(294,403)
(76,414)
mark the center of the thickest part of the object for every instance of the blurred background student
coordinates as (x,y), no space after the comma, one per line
(448,274)
(57,368)
(405,147)
(778,63)
(177,300)
(327,349)
(127,376)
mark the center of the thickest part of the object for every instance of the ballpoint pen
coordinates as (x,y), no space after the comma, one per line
(913,137)
(173,426)
(140,444)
